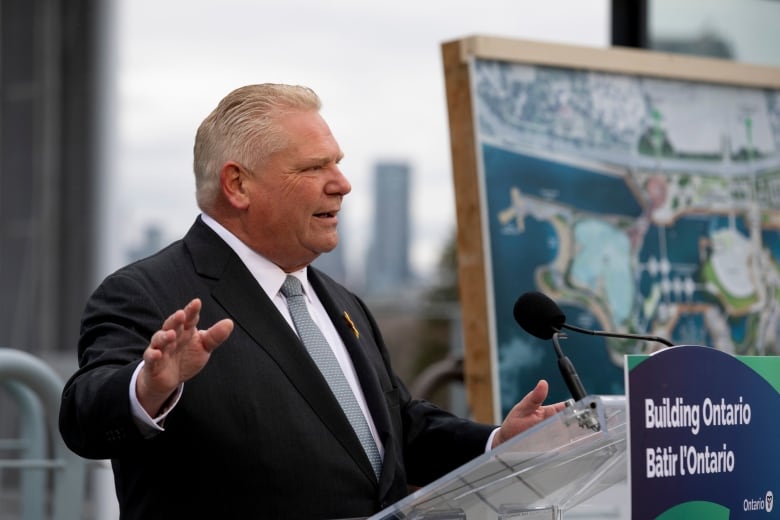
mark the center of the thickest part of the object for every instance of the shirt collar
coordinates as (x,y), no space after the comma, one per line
(269,275)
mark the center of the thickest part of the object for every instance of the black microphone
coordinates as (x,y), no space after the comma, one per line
(538,315)
(541,317)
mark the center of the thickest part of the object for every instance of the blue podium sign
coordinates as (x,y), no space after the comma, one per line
(704,434)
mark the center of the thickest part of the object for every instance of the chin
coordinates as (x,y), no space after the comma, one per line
(329,245)
(327,249)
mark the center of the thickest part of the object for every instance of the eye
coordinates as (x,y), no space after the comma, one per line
(313,168)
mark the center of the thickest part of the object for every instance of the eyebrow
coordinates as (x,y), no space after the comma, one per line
(319,161)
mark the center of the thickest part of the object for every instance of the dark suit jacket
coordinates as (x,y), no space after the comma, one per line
(257,433)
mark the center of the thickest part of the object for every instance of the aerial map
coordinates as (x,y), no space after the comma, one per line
(640,205)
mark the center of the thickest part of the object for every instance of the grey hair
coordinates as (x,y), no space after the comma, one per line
(243,128)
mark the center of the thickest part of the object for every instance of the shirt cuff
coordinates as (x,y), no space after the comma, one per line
(148,426)
(489,445)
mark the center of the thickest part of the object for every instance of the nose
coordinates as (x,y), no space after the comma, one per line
(339,185)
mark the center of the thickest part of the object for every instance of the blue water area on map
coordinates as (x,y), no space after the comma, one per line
(771,241)
(587,190)
(670,259)
(685,244)
(678,243)
(516,255)
(738,326)
(718,222)
(690,330)
(541,248)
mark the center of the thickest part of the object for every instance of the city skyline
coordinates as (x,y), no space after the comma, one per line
(377,68)
(387,257)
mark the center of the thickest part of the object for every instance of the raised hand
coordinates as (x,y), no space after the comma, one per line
(177,352)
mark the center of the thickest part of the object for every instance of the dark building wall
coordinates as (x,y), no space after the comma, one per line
(47,174)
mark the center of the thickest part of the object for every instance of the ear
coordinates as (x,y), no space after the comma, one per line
(233,181)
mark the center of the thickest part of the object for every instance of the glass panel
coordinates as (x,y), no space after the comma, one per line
(742,30)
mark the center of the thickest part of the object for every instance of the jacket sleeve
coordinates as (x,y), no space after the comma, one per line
(434,441)
(95,416)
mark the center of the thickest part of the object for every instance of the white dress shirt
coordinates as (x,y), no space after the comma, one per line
(270,278)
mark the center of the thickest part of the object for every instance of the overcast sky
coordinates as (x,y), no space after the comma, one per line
(376,65)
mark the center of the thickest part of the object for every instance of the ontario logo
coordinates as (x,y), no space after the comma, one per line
(762,504)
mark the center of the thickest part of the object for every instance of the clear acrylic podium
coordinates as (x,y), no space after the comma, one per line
(540,474)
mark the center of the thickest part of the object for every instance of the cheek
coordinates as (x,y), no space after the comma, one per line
(288,204)
(295,186)
(274,202)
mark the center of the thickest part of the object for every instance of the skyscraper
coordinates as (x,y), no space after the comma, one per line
(332,263)
(388,268)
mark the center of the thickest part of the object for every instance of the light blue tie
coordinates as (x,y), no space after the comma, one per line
(323,356)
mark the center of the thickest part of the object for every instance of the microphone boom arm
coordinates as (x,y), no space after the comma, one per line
(568,372)
(618,335)
(586,418)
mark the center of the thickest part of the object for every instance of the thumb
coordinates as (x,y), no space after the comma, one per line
(215,335)
(533,399)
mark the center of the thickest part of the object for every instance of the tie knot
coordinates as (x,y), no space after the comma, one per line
(292,287)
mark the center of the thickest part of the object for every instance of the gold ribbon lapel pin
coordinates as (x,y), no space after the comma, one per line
(351,325)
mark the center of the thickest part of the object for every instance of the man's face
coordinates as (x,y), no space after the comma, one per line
(296,195)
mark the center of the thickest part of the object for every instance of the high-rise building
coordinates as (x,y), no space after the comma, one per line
(332,263)
(388,268)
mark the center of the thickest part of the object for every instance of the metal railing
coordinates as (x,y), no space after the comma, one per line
(36,389)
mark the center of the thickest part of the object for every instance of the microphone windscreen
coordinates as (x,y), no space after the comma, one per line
(538,315)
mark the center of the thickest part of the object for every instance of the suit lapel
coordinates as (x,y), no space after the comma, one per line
(336,308)
(336,303)
(246,303)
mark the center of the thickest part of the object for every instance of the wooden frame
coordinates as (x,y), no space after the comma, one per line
(478,322)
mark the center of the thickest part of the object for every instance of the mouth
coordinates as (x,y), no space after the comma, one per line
(326,215)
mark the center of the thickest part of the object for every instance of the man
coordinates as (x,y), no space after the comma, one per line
(252,429)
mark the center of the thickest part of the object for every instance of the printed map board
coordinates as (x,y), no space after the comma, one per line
(640,192)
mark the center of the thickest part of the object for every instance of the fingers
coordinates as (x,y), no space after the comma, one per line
(192,313)
(535,398)
(184,318)
(180,328)
(177,325)
(556,407)
(173,329)
(162,338)
(525,414)
(160,341)
(182,324)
